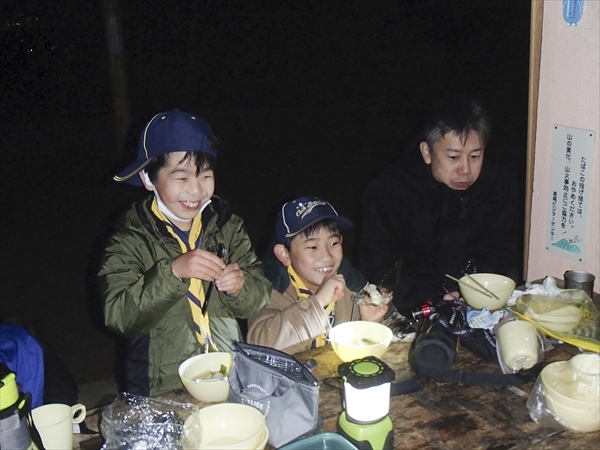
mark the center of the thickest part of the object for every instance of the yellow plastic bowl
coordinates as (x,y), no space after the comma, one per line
(569,388)
(262,443)
(225,426)
(562,320)
(500,285)
(573,418)
(206,391)
(560,386)
(356,340)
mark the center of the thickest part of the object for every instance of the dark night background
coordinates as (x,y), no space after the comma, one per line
(308,97)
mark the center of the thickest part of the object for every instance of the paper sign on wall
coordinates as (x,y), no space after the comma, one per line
(570,191)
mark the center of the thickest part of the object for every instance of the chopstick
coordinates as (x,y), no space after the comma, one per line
(207,296)
(222,253)
(481,286)
(469,286)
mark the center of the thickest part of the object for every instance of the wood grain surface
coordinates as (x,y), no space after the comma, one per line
(442,415)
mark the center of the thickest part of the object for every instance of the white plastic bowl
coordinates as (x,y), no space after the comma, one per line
(586,367)
(359,339)
(209,390)
(573,418)
(560,384)
(574,383)
(225,426)
(264,438)
(561,381)
(500,285)
(561,320)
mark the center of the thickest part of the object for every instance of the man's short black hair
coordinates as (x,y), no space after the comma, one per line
(458,115)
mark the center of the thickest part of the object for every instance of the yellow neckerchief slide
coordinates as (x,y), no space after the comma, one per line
(303,292)
(195,293)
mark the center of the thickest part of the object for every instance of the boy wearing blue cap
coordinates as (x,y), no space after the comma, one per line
(313,286)
(180,268)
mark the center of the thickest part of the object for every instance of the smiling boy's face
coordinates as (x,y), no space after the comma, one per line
(182,190)
(313,257)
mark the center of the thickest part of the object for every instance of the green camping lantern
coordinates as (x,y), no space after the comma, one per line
(365,421)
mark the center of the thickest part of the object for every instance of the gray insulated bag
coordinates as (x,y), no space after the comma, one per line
(278,385)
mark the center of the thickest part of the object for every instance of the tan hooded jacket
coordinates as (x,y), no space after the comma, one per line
(290,323)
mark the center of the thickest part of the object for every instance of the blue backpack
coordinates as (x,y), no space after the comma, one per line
(23,355)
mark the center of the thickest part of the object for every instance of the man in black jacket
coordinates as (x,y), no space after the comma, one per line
(440,210)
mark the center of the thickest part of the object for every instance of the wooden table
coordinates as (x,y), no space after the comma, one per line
(448,416)
(442,415)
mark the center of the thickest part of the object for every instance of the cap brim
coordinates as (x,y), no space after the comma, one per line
(129,174)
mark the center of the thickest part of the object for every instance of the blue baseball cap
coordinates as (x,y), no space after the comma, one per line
(168,132)
(297,215)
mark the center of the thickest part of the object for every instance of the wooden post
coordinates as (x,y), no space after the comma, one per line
(535,51)
(118,78)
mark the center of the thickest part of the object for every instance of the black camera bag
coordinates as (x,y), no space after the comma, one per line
(433,352)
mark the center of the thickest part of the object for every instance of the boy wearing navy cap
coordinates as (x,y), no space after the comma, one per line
(310,292)
(180,268)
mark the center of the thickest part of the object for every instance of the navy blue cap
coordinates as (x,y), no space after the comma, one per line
(168,132)
(297,215)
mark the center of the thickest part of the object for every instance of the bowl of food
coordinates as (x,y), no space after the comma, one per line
(481,290)
(206,376)
(225,426)
(359,339)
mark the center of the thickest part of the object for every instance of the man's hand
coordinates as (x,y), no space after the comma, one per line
(198,264)
(454,295)
(231,280)
(331,290)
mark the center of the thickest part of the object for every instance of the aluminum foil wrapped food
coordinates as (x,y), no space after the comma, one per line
(403,329)
(372,294)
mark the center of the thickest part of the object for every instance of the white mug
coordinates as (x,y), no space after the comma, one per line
(55,424)
(518,344)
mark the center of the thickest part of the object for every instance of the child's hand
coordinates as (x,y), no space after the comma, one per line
(198,264)
(331,289)
(373,313)
(231,280)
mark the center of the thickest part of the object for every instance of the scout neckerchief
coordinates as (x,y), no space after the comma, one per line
(303,292)
(195,293)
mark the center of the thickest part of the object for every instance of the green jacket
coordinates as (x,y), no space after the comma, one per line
(145,303)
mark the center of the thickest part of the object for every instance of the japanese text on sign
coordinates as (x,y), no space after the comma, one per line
(572,153)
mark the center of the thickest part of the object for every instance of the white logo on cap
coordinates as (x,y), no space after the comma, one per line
(303,209)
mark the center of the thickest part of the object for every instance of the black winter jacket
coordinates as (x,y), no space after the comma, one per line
(430,230)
